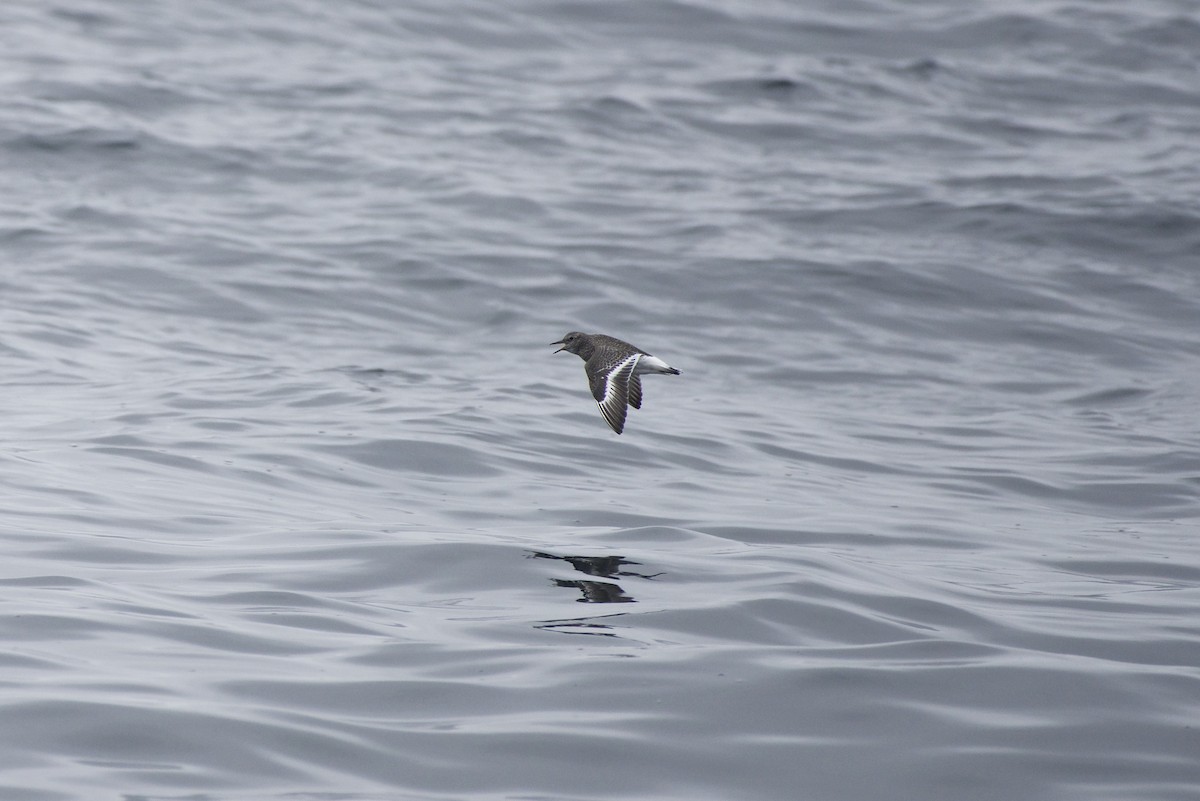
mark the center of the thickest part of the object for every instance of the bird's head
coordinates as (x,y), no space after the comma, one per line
(574,342)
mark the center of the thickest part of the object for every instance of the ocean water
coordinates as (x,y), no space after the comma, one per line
(298,503)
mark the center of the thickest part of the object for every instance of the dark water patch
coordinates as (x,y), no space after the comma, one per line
(37,628)
(88,19)
(166,739)
(126,550)
(210,638)
(404,697)
(269,599)
(45,582)
(1013,30)
(1119,396)
(222,425)
(1161,574)
(925,69)
(139,97)
(1182,32)
(678,19)
(99,141)
(170,460)
(771,89)
(314,623)
(797,456)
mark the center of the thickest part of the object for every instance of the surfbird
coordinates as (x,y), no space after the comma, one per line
(613,369)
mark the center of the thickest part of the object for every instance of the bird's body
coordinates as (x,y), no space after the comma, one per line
(613,368)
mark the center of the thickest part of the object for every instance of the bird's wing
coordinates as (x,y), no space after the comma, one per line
(610,388)
(635,392)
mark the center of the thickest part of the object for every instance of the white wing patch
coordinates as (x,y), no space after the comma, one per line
(616,392)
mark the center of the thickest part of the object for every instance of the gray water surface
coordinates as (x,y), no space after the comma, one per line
(299,504)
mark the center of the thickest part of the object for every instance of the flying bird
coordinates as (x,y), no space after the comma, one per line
(613,369)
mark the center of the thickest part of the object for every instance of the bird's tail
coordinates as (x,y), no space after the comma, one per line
(653,364)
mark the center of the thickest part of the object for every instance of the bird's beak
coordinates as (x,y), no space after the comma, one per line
(559,342)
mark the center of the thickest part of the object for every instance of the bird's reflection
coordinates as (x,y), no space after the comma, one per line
(597,592)
(583,626)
